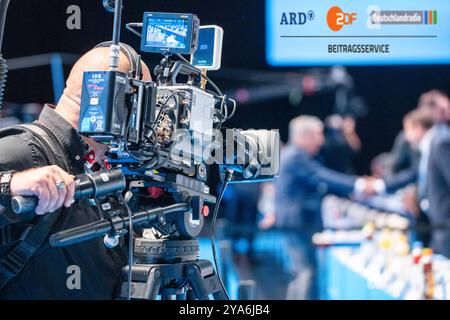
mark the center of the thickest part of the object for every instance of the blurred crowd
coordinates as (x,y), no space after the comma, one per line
(318,160)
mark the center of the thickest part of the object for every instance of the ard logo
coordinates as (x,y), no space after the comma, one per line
(296,18)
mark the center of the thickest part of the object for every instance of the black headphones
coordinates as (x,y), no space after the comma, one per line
(133,57)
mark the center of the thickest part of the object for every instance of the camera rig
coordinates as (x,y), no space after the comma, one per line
(167,140)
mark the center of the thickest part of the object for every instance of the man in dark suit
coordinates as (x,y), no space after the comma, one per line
(403,154)
(438,193)
(301,186)
(423,127)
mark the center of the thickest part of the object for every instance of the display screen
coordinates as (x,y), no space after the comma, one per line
(204,55)
(167,33)
(362,32)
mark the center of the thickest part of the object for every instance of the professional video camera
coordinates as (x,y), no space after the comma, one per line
(167,139)
(165,133)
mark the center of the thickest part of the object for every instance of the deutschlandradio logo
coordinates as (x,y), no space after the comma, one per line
(296,18)
(378,17)
(336,18)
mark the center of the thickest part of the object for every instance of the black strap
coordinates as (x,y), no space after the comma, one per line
(16,258)
(11,234)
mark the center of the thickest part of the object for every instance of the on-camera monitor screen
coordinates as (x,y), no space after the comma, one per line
(203,56)
(167,33)
(361,32)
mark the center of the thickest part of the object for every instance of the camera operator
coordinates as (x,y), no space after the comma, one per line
(41,160)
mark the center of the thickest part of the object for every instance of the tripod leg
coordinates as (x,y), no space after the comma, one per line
(190,294)
(214,282)
(219,295)
(153,284)
(197,282)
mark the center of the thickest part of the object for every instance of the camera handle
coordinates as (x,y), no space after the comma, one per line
(167,72)
(116,224)
(181,67)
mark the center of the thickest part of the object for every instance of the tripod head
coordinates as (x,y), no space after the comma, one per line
(168,266)
(114,226)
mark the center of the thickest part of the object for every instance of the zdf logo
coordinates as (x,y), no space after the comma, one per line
(336,18)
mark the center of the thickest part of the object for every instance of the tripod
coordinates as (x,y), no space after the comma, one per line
(166,267)
(172,270)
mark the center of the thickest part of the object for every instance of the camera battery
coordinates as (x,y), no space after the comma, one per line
(103,106)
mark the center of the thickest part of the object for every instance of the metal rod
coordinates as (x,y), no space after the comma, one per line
(117,22)
(114,53)
(3,9)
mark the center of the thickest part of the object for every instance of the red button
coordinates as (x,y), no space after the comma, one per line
(155,192)
(205,211)
(90,157)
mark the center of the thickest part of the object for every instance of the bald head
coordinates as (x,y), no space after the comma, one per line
(96,59)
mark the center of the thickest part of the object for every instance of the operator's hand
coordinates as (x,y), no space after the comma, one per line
(53,186)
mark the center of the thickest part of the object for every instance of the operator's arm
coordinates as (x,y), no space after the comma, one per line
(20,155)
(401,179)
(15,154)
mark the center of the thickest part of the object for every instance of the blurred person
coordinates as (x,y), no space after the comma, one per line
(419,130)
(417,125)
(438,194)
(266,205)
(300,188)
(241,210)
(341,143)
(438,105)
(381,165)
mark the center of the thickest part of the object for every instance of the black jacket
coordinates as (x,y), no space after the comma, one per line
(404,157)
(46,275)
(438,193)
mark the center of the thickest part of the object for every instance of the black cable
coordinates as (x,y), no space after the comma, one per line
(177,92)
(132,154)
(228,177)
(221,95)
(203,75)
(232,112)
(130,26)
(128,124)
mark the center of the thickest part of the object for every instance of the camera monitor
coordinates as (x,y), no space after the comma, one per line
(169,32)
(209,52)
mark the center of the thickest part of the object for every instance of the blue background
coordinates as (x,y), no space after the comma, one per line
(314,51)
